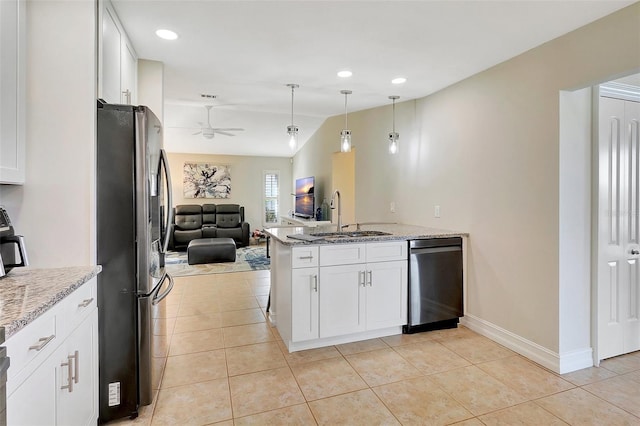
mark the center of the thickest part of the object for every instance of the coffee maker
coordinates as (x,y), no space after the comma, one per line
(8,244)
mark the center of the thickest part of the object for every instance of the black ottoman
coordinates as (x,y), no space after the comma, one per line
(211,250)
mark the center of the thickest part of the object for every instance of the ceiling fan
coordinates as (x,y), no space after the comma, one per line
(209,132)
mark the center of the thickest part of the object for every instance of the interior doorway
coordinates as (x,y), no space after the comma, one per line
(617,235)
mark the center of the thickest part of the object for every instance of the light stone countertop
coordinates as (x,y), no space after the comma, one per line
(397,232)
(25,293)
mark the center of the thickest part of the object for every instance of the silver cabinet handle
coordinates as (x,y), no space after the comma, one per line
(315,283)
(42,342)
(68,364)
(362,278)
(73,370)
(305,257)
(76,365)
(85,303)
(370,276)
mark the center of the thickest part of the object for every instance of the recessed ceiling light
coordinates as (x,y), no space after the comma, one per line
(166,34)
(345,73)
(399,80)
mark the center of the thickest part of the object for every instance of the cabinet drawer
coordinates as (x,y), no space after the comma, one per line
(342,254)
(303,257)
(387,251)
(30,346)
(77,306)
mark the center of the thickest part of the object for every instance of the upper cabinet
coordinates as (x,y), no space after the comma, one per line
(117,60)
(12,91)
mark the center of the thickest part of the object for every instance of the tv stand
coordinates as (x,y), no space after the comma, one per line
(299,221)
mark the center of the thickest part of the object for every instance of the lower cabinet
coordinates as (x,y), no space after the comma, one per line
(361,297)
(58,385)
(304,304)
(339,300)
(77,379)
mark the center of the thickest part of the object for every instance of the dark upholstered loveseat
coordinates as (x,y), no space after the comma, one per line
(192,221)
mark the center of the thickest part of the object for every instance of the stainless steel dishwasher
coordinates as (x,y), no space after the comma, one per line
(435,284)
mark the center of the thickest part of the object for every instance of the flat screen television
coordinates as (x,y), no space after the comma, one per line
(305,198)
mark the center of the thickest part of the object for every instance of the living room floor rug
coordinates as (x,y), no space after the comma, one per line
(252,258)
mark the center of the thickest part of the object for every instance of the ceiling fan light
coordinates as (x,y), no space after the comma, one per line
(399,80)
(345,74)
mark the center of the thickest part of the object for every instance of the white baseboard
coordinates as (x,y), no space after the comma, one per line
(561,364)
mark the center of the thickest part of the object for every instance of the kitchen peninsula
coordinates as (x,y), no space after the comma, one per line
(331,287)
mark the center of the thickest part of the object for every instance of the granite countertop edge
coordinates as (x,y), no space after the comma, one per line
(396,232)
(61,282)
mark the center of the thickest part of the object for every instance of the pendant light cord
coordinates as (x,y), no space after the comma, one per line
(292,89)
(394,116)
(346,126)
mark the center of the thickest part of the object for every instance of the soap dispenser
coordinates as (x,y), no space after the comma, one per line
(325,209)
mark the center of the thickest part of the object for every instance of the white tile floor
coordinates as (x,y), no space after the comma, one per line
(227,366)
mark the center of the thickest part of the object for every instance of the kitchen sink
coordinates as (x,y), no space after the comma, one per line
(351,234)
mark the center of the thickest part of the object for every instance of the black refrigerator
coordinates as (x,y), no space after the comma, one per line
(133,195)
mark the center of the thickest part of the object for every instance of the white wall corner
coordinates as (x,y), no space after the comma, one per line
(561,364)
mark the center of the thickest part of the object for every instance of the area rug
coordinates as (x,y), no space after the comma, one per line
(252,258)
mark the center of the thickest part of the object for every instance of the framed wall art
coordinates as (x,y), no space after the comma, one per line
(204,180)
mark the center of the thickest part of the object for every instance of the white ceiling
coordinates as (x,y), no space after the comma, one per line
(245,52)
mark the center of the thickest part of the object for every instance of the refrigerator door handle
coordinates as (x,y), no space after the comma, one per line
(167,235)
(157,298)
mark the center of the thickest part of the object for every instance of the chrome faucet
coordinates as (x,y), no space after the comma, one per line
(333,206)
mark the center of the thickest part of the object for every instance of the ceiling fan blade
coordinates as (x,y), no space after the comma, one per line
(228,129)
(223,133)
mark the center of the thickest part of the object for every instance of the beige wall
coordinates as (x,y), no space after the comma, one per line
(55,208)
(246,182)
(487,151)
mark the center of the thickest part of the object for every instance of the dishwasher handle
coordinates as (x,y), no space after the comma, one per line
(435,242)
(435,250)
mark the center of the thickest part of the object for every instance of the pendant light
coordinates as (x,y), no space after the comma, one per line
(345,135)
(393,136)
(292,130)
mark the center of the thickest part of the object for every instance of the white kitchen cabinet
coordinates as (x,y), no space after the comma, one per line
(12,91)
(61,342)
(304,304)
(77,375)
(342,301)
(118,60)
(330,294)
(360,297)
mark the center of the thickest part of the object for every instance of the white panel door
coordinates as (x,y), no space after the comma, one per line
(618,228)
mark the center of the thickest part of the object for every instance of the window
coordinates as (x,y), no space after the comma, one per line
(271,192)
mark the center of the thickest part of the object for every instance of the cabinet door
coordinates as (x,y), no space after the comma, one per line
(12,91)
(34,401)
(128,73)
(111,57)
(304,304)
(342,301)
(79,405)
(386,296)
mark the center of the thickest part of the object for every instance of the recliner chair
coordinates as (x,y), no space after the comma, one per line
(192,221)
(230,223)
(187,224)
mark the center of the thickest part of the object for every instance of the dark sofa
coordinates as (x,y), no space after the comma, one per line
(193,221)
